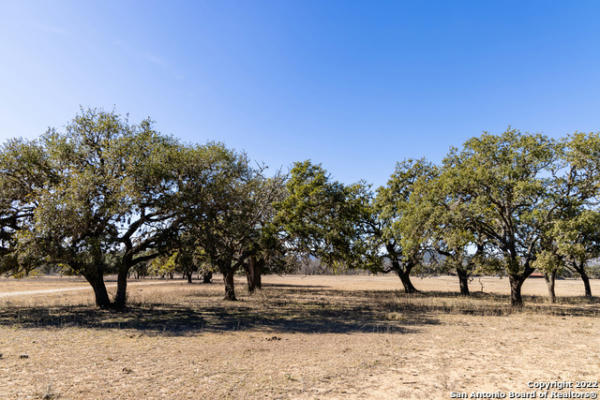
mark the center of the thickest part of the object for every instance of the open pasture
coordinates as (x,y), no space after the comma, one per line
(301,337)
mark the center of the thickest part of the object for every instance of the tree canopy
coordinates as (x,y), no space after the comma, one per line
(106,196)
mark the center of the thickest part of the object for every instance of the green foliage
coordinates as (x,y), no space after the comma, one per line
(445,226)
(578,238)
(98,196)
(321,217)
(401,213)
(500,181)
(105,196)
(575,235)
(228,208)
(164,265)
(24,169)
(397,233)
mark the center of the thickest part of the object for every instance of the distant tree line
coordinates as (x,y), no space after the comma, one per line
(106,196)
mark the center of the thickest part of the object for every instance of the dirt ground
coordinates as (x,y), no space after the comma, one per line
(301,337)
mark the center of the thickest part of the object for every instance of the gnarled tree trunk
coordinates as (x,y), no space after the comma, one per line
(96,280)
(463,280)
(405,278)
(586,284)
(404,275)
(580,268)
(403,271)
(229,286)
(121,297)
(516,282)
(253,273)
(550,283)
(260,263)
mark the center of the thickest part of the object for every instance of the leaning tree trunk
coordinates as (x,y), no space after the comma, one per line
(580,268)
(96,280)
(516,282)
(586,284)
(550,283)
(207,277)
(463,280)
(403,271)
(229,287)
(121,296)
(404,275)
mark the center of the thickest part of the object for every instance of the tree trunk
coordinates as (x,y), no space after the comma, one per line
(189,277)
(580,268)
(253,271)
(121,297)
(405,278)
(100,293)
(249,267)
(516,282)
(258,274)
(550,283)
(229,288)
(463,279)
(403,273)
(206,277)
(586,284)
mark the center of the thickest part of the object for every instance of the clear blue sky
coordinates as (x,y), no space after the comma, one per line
(354,85)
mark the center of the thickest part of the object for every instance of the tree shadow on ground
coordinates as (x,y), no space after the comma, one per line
(288,308)
(447,302)
(572,300)
(277,314)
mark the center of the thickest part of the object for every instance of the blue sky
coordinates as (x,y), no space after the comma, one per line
(354,85)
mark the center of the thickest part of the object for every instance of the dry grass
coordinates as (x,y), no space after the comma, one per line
(351,337)
(8,285)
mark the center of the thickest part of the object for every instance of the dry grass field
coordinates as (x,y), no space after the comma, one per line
(301,337)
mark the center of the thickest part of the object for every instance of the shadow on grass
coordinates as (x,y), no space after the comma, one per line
(568,300)
(221,316)
(447,302)
(564,305)
(290,308)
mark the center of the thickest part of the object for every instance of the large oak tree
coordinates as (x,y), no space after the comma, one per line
(227,208)
(396,234)
(504,180)
(321,217)
(110,202)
